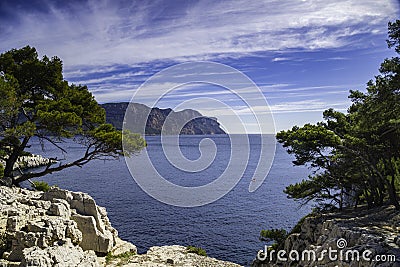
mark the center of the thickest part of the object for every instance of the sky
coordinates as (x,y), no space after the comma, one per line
(303,55)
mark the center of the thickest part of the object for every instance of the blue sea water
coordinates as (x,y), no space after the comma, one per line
(227,229)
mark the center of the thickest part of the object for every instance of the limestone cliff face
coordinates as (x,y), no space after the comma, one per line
(187,121)
(54,228)
(63,228)
(376,230)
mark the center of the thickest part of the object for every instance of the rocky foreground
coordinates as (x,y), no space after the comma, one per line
(376,230)
(64,228)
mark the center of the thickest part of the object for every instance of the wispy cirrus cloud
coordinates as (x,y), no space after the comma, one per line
(304,55)
(129,32)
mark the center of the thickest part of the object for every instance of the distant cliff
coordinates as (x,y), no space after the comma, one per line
(187,121)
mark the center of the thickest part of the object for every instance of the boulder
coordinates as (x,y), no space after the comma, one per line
(93,239)
(43,233)
(65,254)
(41,220)
(91,220)
(122,247)
(60,207)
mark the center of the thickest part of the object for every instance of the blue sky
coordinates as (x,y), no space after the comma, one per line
(304,55)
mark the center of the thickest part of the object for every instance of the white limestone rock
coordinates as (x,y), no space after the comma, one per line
(167,256)
(62,228)
(375,230)
(41,219)
(59,256)
(122,246)
(93,239)
(32,161)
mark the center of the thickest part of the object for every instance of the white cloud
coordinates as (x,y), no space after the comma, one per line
(106,32)
(307,106)
(280,59)
(131,76)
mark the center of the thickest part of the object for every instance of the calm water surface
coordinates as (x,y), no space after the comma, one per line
(227,229)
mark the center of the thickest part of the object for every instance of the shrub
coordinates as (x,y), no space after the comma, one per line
(122,258)
(297,228)
(41,186)
(196,250)
(276,235)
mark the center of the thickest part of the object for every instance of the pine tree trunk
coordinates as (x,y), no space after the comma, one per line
(392,193)
(12,159)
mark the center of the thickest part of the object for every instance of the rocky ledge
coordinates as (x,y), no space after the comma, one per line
(32,161)
(64,228)
(167,256)
(350,233)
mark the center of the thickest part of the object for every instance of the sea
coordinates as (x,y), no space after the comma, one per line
(228,228)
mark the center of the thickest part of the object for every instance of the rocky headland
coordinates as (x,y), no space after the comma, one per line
(186,122)
(376,230)
(31,161)
(64,228)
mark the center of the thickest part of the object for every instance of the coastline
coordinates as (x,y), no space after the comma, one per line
(31,161)
(65,228)
(355,237)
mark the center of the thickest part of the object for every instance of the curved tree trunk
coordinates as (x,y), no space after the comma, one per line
(392,193)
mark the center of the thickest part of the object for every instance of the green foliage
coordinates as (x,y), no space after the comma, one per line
(390,168)
(8,102)
(309,144)
(297,227)
(278,236)
(37,102)
(354,156)
(121,258)
(26,154)
(317,188)
(132,142)
(394,35)
(196,250)
(41,186)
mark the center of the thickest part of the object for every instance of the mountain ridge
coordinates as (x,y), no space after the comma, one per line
(184,122)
